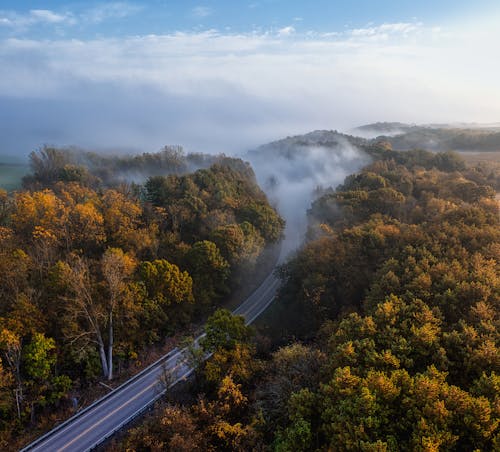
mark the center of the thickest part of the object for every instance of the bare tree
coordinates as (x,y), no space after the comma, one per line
(116,269)
(93,313)
(84,308)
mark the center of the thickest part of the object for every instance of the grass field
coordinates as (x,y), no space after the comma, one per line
(11,175)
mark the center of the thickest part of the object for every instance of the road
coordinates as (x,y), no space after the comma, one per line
(96,423)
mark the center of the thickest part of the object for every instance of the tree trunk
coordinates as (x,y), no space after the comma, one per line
(102,354)
(110,346)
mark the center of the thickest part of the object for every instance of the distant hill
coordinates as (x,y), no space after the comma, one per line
(382,128)
(289,146)
(442,137)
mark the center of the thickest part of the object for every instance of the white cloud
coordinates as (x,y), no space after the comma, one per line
(286,31)
(45,15)
(224,91)
(34,17)
(111,10)
(201,11)
(94,15)
(401,28)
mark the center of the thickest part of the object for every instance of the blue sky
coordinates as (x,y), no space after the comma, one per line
(227,76)
(124,18)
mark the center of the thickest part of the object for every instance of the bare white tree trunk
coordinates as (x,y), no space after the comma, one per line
(110,346)
(102,354)
(116,268)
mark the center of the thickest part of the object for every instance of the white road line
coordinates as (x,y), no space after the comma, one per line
(252,307)
(109,400)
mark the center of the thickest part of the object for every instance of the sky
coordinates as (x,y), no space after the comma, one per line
(226,76)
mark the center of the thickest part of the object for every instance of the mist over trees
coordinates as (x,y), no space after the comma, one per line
(434,137)
(389,315)
(403,260)
(50,164)
(384,335)
(97,269)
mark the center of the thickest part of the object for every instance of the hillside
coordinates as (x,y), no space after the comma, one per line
(434,137)
(386,328)
(99,273)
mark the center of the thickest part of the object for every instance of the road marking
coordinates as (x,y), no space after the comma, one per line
(114,411)
(109,400)
(107,416)
(252,308)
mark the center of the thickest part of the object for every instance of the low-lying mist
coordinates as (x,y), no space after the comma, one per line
(293,171)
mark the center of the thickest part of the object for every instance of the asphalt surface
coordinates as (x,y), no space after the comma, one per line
(98,422)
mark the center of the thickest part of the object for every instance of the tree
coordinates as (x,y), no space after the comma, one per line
(6,400)
(5,207)
(85,314)
(239,362)
(224,330)
(39,359)
(167,293)
(292,369)
(209,270)
(40,209)
(239,243)
(117,267)
(11,346)
(46,164)
(124,225)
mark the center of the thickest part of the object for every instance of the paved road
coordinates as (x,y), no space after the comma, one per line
(98,422)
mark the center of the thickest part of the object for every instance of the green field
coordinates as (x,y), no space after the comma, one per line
(11,175)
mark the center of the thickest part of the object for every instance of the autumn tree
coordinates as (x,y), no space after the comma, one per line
(117,268)
(167,294)
(210,272)
(224,330)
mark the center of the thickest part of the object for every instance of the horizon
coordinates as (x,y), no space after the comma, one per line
(216,77)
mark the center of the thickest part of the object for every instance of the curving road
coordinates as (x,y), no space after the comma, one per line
(93,425)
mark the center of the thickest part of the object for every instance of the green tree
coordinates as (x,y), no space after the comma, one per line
(224,330)
(210,272)
(168,295)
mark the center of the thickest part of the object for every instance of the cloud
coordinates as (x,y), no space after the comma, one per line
(34,17)
(286,31)
(215,91)
(292,173)
(45,15)
(112,10)
(400,28)
(94,15)
(201,11)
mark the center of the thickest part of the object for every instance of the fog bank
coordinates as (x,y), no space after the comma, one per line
(294,170)
(215,91)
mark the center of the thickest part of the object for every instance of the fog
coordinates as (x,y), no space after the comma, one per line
(216,91)
(292,172)
(140,119)
(219,91)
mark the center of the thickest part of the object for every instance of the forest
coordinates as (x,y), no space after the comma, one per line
(436,137)
(385,335)
(96,271)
